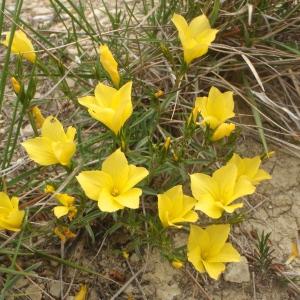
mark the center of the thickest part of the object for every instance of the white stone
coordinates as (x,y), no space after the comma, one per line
(238,272)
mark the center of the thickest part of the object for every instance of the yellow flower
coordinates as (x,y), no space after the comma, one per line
(159,94)
(38,117)
(113,186)
(82,294)
(67,207)
(175,207)
(109,64)
(16,85)
(167,143)
(177,264)
(49,189)
(21,45)
(208,250)
(215,110)
(110,106)
(249,168)
(215,193)
(54,146)
(64,233)
(195,37)
(11,217)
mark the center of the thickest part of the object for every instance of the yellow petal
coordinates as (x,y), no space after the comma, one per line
(92,183)
(223,130)
(243,187)
(192,53)
(16,85)
(60,211)
(198,25)
(198,243)
(64,151)
(116,166)
(218,235)
(40,150)
(64,199)
(13,220)
(107,202)
(220,105)
(53,130)
(105,95)
(214,269)
(87,101)
(181,25)
(260,176)
(38,116)
(135,175)
(210,208)
(21,45)
(5,201)
(203,186)
(226,254)
(226,177)
(71,132)
(130,199)
(164,206)
(231,208)
(82,294)
(109,64)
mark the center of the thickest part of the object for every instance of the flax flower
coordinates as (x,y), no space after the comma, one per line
(249,167)
(109,64)
(11,217)
(208,250)
(216,193)
(215,110)
(113,186)
(175,207)
(110,106)
(66,206)
(54,146)
(16,85)
(38,117)
(21,45)
(195,37)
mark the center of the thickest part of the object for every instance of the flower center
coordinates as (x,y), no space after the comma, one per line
(115,192)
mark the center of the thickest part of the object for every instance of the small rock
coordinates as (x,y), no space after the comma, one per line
(238,272)
(22,282)
(54,289)
(93,295)
(33,292)
(134,258)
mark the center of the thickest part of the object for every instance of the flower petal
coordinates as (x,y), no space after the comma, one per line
(107,202)
(181,25)
(60,211)
(198,25)
(109,64)
(130,199)
(116,166)
(210,207)
(225,129)
(214,269)
(64,151)
(135,175)
(40,150)
(226,254)
(92,182)
(104,95)
(203,186)
(242,188)
(218,235)
(5,202)
(53,130)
